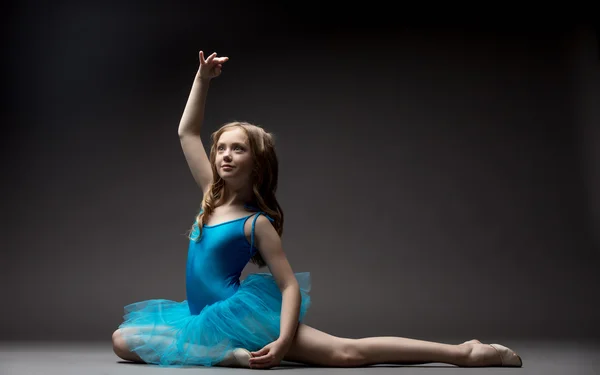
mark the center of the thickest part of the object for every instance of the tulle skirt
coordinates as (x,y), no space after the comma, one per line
(165,333)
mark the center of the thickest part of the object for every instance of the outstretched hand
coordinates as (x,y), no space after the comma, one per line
(269,356)
(211,66)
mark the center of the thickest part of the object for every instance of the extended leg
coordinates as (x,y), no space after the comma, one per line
(314,347)
(400,350)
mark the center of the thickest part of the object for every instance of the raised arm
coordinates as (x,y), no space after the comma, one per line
(193,117)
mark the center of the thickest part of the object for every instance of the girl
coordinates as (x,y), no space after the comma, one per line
(255,323)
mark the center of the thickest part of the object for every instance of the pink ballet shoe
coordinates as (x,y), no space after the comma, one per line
(507,356)
(238,357)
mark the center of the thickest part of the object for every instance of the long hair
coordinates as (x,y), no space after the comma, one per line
(263,179)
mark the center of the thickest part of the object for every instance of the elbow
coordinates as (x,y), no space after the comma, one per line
(291,285)
(183,133)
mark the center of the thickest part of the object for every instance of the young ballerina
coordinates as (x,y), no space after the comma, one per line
(257,322)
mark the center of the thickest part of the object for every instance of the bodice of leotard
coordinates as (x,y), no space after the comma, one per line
(216,260)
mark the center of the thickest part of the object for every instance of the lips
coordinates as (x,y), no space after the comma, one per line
(227,166)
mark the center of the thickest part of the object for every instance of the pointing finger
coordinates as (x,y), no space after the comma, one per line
(217,60)
(202,61)
(211,57)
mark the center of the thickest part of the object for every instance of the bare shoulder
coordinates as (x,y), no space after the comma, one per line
(264,229)
(266,238)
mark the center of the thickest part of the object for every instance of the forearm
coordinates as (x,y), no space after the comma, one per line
(193,114)
(290,312)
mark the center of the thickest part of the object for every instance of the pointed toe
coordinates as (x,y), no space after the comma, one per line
(242,357)
(508,357)
(238,357)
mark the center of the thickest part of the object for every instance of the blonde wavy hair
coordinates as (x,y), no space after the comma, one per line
(263,179)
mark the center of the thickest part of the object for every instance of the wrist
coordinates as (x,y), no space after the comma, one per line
(285,341)
(199,78)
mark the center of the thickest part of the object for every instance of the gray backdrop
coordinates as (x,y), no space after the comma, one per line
(437,182)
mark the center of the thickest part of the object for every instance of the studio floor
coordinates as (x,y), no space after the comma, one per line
(539,357)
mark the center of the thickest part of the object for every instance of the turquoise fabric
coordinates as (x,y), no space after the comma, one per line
(220,312)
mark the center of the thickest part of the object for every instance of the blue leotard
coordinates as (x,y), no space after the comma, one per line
(220,312)
(215,263)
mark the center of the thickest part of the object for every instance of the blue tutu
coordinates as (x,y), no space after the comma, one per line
(165,333)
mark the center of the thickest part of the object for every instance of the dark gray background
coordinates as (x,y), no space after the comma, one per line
(438,181)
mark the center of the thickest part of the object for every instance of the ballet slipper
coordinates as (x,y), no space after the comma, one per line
(507,356)
(238,357)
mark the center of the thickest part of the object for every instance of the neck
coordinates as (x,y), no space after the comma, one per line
(236,195)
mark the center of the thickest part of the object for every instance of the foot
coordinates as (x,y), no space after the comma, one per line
(238,357)
(484,355)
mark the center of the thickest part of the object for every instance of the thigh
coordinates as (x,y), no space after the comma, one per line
(314,347)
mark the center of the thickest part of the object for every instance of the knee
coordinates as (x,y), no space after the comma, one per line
(116,336)
(349,354)
(121,348)
(118,343)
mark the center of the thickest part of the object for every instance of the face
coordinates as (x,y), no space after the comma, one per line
(233,149)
